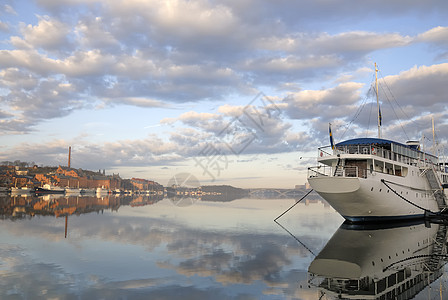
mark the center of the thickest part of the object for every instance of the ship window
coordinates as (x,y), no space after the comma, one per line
(356,168)
(381,285)
(392,280)
(404,172)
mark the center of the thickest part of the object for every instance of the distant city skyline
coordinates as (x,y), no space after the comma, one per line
(231,92)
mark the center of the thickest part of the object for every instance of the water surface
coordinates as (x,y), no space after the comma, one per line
(146,248)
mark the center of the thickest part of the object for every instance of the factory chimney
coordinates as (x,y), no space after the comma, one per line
(69,156)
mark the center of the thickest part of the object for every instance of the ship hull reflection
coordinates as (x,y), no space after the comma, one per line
(380,262)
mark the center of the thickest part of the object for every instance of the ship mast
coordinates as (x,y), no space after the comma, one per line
(377,102)
(434,148)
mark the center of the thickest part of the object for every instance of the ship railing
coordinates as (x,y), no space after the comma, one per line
(319,171)
(338,171)
(420,160)
(325,151)
(344,285)
(365,149)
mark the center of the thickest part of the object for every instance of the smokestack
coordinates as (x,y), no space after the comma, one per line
(69,156)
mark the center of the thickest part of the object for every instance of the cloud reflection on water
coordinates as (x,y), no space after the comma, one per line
(206,251)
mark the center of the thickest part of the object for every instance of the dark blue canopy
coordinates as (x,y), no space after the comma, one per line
(369,141)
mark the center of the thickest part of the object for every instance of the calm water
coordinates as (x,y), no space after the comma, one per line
(144,248)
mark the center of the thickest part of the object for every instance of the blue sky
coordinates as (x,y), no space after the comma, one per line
(233,92)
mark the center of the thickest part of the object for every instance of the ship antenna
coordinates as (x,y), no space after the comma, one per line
(377,101)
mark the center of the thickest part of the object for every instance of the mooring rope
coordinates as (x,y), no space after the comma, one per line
(410,202)
(441,256)
(300,242)
(275,220)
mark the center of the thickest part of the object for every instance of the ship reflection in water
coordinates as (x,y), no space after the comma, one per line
(381,262)
(150,247)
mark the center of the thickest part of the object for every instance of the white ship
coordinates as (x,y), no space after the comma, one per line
(380,263)
(20,191)
(101,191)
(372,179)
(73,191)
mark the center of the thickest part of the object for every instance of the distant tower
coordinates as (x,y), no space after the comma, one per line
(69,156)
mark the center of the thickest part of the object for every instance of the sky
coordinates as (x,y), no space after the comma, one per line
(236,92)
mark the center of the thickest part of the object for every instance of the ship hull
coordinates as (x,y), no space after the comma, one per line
(364,200)
(390,261)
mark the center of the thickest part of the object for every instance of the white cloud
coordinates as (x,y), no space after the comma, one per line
(8,9)
(359,42)
(15,78)
(195,116)
(334,102)
(136,101)
(92,33)
(341,44)
(421,87)
(292,64)
(187,19)
(437,35)
(49,34)
(4,26)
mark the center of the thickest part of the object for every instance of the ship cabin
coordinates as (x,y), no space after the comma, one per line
(362,157)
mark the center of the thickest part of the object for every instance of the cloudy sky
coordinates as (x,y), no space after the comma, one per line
(233,92)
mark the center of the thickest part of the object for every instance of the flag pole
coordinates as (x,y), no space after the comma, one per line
(331,136)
